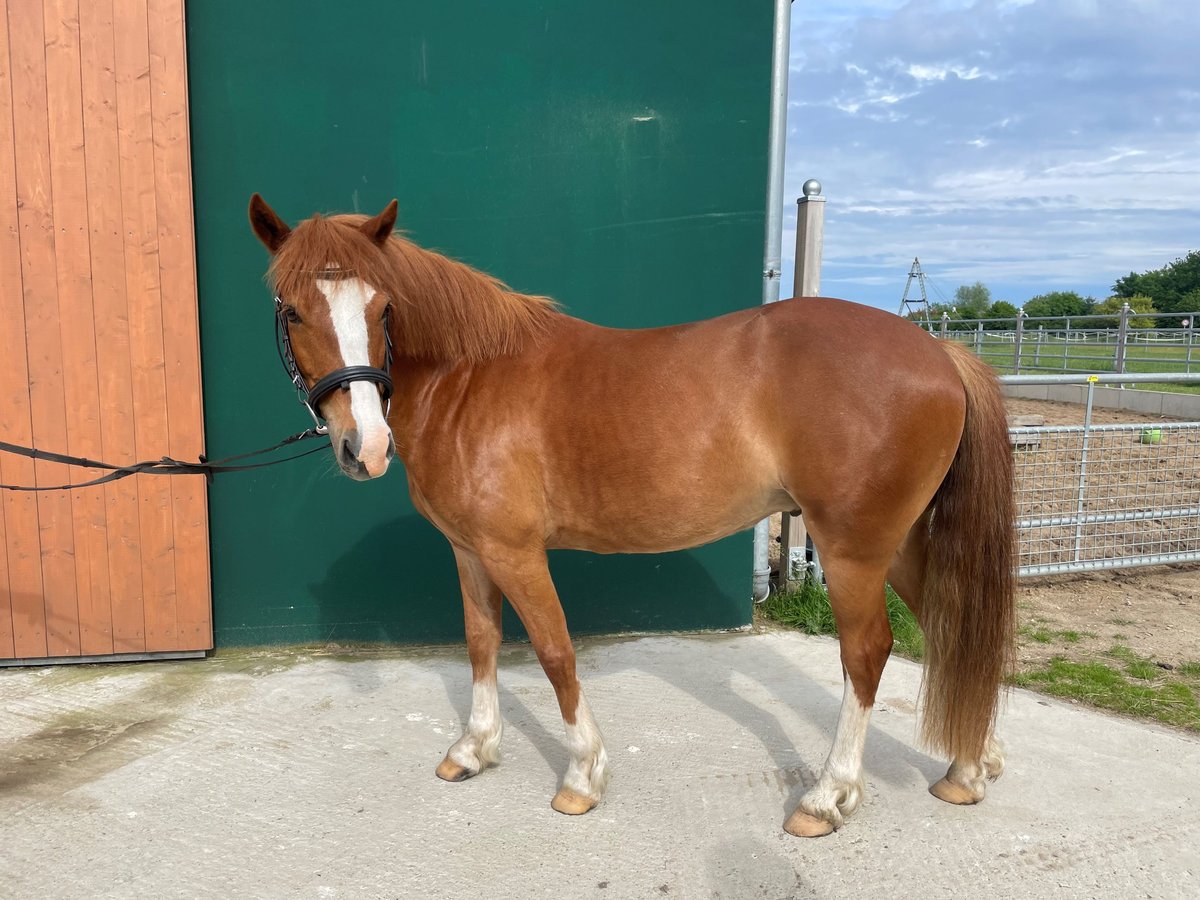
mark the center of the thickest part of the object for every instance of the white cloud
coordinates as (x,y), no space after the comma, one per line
(1029,145)
(939,72)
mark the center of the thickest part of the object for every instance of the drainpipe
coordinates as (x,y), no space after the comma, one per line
(773,244)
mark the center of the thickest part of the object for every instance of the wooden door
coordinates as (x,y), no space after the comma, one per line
(99,344)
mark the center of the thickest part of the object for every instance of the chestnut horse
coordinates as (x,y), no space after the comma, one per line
(522,429)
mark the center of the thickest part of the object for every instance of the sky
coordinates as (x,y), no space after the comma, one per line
(1032,145)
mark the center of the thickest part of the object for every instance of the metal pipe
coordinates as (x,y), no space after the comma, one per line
(1096,565)
(773,239)
(1083,461)
(1105,378)
(1145,515)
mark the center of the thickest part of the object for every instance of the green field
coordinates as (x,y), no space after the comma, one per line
(1056,356)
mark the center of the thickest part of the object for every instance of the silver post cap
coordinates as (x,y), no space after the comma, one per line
(811,188)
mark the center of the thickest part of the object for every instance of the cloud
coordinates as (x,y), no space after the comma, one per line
(1028,144)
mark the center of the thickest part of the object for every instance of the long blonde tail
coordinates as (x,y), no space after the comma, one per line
(967,611)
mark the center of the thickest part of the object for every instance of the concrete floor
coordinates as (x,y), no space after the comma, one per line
(298,774)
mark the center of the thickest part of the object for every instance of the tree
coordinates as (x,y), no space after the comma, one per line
(1175,288)
(972,300)
(1057,303)
(1138,303)
(1002,309)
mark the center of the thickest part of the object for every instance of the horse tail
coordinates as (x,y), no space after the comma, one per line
(967,610)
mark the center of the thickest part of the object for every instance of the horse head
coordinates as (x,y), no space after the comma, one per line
(335,325)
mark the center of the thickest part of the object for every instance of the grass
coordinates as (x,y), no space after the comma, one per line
(1137,666)
(1049,635)
(1153,695)
(1093,358)
(807,608)
(1125,682)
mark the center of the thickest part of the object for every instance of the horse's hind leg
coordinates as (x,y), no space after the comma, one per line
(966,780)
(857,597)
(907,572)
(479,746)
(525,579)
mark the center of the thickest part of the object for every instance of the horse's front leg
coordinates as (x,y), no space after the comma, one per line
(479,746)
(525,579)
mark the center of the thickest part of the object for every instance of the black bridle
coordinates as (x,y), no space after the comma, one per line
(338,378)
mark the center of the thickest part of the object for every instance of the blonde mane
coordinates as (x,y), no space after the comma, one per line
(443,309)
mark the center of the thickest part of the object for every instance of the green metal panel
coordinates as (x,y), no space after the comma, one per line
(611,155)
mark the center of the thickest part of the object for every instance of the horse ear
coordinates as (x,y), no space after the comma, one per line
(379,228)
(269,228)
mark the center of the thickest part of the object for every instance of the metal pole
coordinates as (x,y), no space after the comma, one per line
(810,238)
(1191,330)
(1017,342)
(1083,457)
(1037,348)
(942,329)
(1122,340)
(979,339)
(773,238)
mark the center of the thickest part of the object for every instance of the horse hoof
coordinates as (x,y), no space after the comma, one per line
(801,824)
(954,793)
(570,803)
(449,770)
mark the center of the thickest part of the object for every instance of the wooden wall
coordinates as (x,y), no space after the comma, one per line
(99,345)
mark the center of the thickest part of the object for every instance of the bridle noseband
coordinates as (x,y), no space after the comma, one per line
(338,378)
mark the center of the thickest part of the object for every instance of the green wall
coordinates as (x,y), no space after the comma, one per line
(611,155)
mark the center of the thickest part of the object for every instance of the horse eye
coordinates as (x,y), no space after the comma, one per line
(292,315)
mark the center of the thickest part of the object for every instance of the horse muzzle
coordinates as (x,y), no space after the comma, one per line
(364,460)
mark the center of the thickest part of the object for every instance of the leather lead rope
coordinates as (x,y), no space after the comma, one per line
(164,466)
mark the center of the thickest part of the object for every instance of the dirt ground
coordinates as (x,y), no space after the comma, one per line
(1155,611)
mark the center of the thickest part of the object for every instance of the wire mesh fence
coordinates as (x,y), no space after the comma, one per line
(1105,496)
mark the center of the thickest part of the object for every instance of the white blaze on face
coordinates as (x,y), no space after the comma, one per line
(348,299)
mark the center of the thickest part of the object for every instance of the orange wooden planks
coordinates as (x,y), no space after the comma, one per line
(176,245)
(77,331)
(22,547)
(27,53)
(105,224)
(99,345)
(140,230)
(6,630)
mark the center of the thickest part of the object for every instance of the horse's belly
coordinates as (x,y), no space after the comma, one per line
(658,524)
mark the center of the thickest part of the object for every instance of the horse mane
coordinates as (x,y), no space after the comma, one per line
(443,310)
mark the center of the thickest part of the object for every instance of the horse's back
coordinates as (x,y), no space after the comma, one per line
(733,417)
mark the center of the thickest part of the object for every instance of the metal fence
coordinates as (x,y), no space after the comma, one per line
(1124,342)
(1105,496)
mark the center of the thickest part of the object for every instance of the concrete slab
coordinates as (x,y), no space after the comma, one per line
(296,774)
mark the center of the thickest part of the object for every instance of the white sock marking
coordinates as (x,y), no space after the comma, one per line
(480,744)
(587,773)
(838,791)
